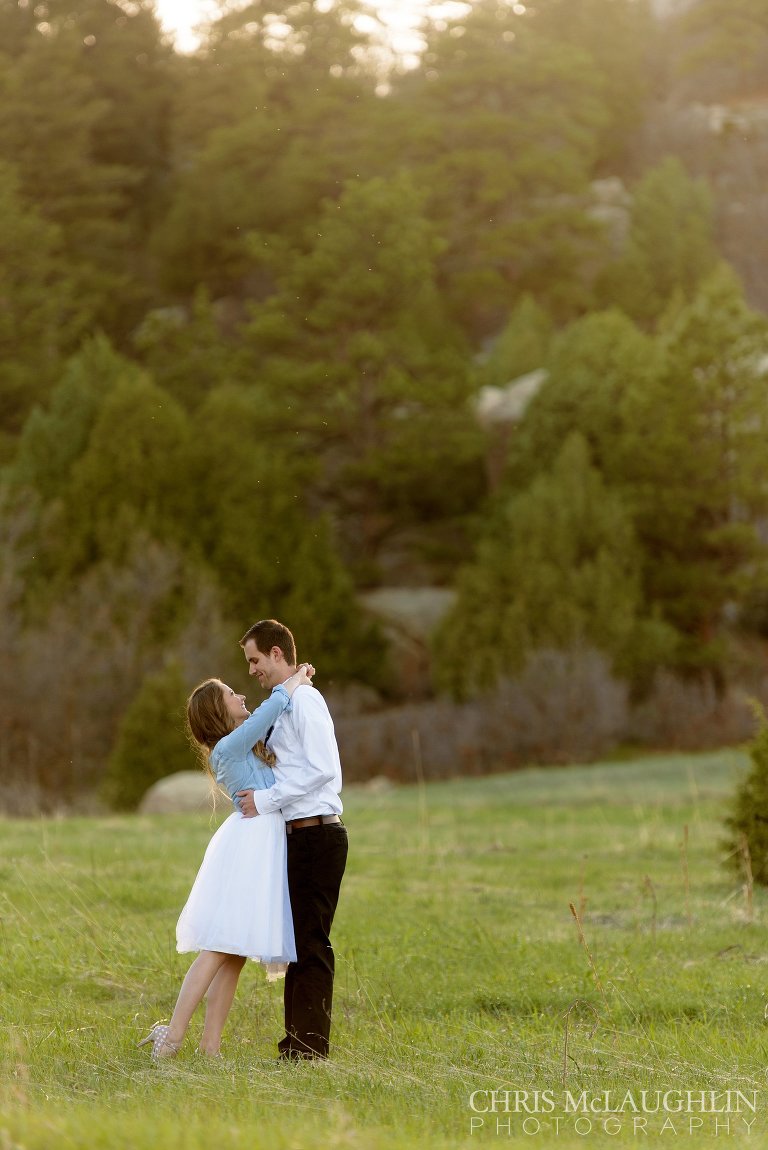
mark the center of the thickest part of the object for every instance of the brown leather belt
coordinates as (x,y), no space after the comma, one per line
(315,821)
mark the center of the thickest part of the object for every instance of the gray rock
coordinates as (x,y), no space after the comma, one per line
(506,405)
(414,610)
(184,792)
(665,9)
(408,615)
(378,785)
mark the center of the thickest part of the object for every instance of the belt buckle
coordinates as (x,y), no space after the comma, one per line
(310,821)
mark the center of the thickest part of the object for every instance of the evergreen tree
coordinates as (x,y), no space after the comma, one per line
(521,347)
(151,740)
(374,380)
(248,505)
(623,42)
(325,617)
(671,246)
(133,475)
(125,58)
(84,113)
(272,556)
(694,461)
(57,434)
(505,134)
(594,368)
(675,424)
(747,822)
(186,351)
(557,567)
(35,314)
(723,48)
(271,125)
(49,112)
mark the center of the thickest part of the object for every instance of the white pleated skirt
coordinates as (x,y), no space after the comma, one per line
(239,901)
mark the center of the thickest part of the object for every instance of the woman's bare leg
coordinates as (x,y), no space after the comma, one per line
(196,982)
(221,994)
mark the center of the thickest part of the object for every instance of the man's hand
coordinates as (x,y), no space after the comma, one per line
(247,805)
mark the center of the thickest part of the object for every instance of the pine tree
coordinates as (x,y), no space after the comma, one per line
(693,464)
(522,345)
(35,312)
(723,49)
(151,741)
(748,821)
(56,434)
(266,129)
(506,125)
(357,346)
(133,475)
(322,611)
(557,567)
(670,248)
(49,113)
(594,366)
(185,351)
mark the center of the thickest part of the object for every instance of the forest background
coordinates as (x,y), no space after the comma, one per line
(461,370)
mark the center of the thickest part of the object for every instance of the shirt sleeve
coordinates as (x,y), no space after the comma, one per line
(314,730)
(234,747)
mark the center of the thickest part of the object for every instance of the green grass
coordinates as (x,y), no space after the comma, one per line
(458,963)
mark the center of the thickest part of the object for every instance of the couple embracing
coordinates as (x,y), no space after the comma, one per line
(268,886)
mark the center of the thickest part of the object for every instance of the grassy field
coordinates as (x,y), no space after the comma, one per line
(459,970)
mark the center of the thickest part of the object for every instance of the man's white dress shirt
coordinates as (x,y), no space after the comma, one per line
(308,769)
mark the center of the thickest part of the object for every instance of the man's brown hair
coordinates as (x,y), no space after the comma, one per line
(268,633)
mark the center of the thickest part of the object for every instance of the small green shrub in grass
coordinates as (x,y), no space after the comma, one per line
(748,821)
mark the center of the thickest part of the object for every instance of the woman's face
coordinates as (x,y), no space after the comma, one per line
(235,704)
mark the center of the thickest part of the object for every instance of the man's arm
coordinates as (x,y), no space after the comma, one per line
(314,729)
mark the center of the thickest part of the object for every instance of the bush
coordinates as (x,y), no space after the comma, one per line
(691,714)
(564,707)
(151,741)
(748,821)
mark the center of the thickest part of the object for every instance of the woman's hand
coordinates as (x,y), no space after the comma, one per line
(302,677)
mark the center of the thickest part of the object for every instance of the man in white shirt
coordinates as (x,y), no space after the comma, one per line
(307,784)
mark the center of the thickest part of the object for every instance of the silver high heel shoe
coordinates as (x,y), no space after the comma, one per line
(161,1047)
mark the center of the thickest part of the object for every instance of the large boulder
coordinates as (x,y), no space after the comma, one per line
(184,792)
(503,406)
(408,616)
(498,410)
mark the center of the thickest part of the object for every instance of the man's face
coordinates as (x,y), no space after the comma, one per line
(268,669)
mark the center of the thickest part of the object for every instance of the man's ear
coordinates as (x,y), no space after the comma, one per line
(277,653)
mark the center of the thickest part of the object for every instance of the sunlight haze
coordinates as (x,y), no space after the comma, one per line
(400,18)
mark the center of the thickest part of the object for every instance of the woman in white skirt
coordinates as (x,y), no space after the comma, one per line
(238,907)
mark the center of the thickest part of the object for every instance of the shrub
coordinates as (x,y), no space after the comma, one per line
(691,714)
(748,820)
(565,706)
(151,741)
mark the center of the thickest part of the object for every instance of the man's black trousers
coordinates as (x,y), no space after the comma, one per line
(316,860)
